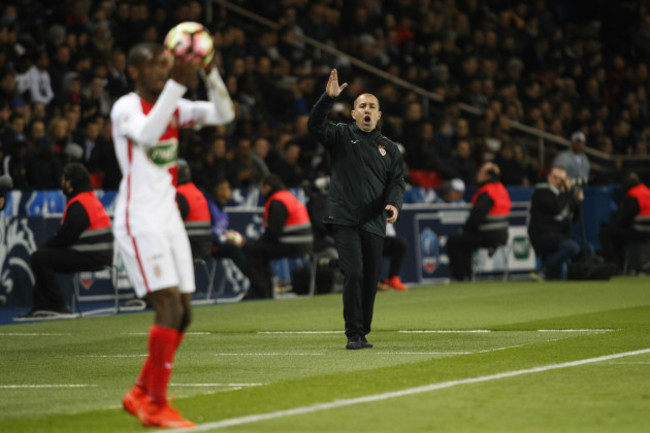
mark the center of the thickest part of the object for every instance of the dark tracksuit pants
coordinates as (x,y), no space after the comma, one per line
(395,248)
(234,253)
(360,255)
(460,248)
(259,254)
(46,262)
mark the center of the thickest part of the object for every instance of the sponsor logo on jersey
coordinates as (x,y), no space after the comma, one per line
(165,153)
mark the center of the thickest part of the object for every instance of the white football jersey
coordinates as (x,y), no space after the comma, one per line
(145,138)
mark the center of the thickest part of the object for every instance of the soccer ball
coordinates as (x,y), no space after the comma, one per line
(191,40)
(234,237)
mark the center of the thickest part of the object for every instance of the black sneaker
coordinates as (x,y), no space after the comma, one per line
(366,343)
(356,342)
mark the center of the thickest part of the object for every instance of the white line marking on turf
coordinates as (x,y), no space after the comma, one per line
(31,334)
(445,331)
(576,330)
(146,333)
(301,332)
(485,331)
(423,353)
(394,394)
(207,385)
(269,354)
(114,356)
(82,385)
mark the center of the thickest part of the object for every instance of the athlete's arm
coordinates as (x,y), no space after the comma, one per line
(219,110)
(129,120)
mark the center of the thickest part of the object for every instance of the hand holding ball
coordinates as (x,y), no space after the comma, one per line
(235,238)
(192,41)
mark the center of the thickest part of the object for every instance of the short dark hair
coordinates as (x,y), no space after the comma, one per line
(143,51)
(630,180)
(273,180)
(78,176)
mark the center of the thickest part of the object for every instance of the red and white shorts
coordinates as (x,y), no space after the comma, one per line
(158,260)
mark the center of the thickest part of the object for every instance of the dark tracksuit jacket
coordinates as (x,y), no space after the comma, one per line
(367,172)
(366,175)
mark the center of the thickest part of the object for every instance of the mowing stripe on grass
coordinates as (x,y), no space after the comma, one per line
(81,385)
(394,394)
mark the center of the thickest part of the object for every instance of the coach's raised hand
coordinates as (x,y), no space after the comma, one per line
(333,89)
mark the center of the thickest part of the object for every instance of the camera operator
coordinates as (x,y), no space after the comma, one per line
(554,205)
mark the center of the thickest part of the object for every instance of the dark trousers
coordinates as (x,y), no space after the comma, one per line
(613,241)
(46,263)
(234,253)
(259,254)
(360,255)
(460,248)
(395,248)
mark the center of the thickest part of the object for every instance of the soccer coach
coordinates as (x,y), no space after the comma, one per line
(366,192)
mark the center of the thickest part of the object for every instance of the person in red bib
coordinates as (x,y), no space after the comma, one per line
(631,223)
(287,233)
(195,212)
(486,226)
(84,242)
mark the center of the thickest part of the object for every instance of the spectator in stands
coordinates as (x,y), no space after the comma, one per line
(630,224)
(554,205)
(287,233)
(83,242)
(289,169)
(461,164)
(451,191)
(574,161)
(486,226)
(226,243)
(195,212)
(38,81)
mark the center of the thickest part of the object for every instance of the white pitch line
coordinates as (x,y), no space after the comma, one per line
(146,333)
(396,394)
(82,385)
(300,332)
(445,331)
(269,354)
(424,353)
(576,330)
(114,356)
(209,385)
(31,334)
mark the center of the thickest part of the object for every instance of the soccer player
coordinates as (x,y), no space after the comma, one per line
(147,223)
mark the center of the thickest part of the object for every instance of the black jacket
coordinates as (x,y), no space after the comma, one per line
(551,215)
(367,172)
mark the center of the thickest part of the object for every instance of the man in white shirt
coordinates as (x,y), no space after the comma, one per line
(147,225)
(574,160)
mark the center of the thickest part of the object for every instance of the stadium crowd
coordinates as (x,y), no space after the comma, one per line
(556,65)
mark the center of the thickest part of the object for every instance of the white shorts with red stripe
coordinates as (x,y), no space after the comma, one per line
(158,260)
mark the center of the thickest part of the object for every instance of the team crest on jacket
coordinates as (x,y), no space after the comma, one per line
(382,149)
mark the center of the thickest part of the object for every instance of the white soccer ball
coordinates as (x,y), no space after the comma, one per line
(191,40)
(234,237)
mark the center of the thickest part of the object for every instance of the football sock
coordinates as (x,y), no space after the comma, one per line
(162,346)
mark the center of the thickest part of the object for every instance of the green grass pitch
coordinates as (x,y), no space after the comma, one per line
(482,357)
